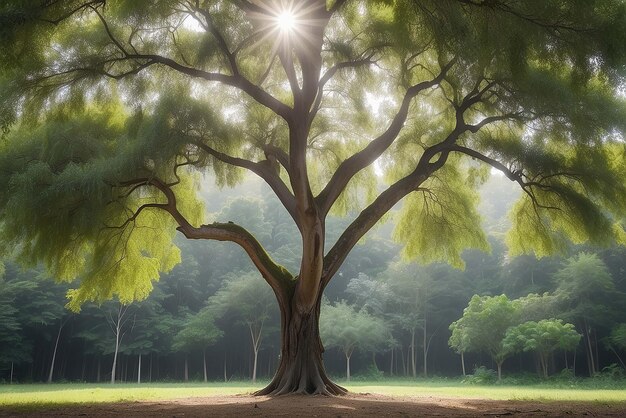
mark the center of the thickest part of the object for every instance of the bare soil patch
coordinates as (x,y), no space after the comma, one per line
(353,405)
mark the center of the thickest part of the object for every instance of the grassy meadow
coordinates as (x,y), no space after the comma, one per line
(41,395)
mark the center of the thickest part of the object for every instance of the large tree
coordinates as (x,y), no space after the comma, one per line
(110,108)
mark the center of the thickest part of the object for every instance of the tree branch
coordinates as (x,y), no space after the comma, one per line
(276,276)
(516,176)
(265,171)
(351,166)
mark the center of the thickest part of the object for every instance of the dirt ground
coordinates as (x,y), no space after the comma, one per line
(353,405)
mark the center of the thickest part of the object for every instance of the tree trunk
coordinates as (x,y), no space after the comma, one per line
(204,364)
(186,369)
(54,353)
(117,347)
(463,362)
(391,365)
(139,370)
(611,348)
(499,364)
(425,350)
(254,364)
(413,369)
(590,357)
(348,367)
(225,377)
(11,378)
(301,369)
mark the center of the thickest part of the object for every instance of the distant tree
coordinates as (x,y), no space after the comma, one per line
(617,339)
(350,329)
(240,299)
(112,111)
(587,297)
(483,326)
(198,333)
(14,349)
(542,337)
(459,341)
(120,320)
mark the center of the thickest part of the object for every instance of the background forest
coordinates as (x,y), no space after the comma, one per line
(212,319)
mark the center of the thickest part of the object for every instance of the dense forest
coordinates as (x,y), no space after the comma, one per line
(209,319)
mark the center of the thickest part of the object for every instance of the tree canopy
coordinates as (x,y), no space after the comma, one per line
(112,110)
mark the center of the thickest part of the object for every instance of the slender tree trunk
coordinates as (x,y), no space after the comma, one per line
(186,377)
(11,378)
(254,364)
(301,369)
(618,358)
(590,357)
(225,377)
(54,353)
(117,347)
(404,370)
(463,362)
(139,370)
(98,371)
(543,361)
(499,364)
(596,355)
(348,367)
(391,364)
(413,369)
(204,364)
(150,371)
(425,349)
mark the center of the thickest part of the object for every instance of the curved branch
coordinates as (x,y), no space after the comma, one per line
(351,166)
(381,205)
(265,171)
(515,176)
(235,80)
(276,275)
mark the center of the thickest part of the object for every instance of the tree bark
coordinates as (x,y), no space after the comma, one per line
(348,367)
(463,362)
(413,369)
(11,378)
(499,364)
(54,353)
(139,370)
(186,377)
(204,364)
(301,369)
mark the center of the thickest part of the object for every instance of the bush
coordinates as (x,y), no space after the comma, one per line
(371,374)
(613,371)
(482,376)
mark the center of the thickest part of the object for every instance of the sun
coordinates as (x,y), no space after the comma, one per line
(286,21)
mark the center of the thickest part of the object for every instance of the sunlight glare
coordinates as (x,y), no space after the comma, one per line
(286,21)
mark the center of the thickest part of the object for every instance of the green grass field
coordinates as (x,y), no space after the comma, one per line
(38,395)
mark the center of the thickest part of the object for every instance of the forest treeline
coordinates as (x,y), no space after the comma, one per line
(213,318)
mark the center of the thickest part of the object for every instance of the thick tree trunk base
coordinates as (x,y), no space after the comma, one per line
(301,368)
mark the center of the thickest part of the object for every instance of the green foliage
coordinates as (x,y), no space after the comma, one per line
(483,326)
(543,337)
(618,336)
(440,220)
(199,332)
(482,376)
(348,329)
(583,282)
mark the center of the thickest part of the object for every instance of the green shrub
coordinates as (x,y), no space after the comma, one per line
(482,376)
